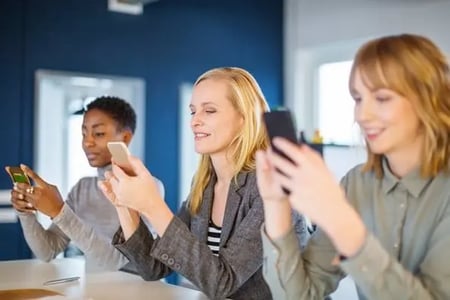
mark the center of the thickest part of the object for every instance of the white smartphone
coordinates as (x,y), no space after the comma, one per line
(121,156)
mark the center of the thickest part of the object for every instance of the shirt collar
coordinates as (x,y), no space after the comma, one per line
(101,171)
(413,182)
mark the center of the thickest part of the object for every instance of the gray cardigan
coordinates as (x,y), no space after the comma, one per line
(236,273)
(88,219)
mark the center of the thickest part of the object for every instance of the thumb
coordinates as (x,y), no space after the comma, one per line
(30,173)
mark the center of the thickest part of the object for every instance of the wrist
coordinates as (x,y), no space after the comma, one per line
(278,219)
(347,232)
(57,210)
(160,217)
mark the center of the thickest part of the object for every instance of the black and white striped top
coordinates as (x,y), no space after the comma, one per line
(214,237)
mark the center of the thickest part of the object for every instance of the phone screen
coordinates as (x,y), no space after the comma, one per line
(17,175)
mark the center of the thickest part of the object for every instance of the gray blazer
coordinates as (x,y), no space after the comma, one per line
(236,273)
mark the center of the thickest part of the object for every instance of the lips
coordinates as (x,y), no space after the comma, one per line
(200,135)
(91,156)
(372,134)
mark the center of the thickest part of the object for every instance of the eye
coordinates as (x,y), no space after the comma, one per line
(192,113)
(356,99)
(210,111)
(383,98)
(99,134)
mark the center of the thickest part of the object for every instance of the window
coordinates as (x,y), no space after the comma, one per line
(335,105)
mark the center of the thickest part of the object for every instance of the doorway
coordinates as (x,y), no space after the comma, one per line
(59,101)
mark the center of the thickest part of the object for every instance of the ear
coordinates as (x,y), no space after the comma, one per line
(127,136)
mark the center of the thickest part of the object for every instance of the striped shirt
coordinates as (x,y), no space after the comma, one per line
(214,237)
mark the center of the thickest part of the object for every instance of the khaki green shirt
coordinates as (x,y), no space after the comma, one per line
(406,254)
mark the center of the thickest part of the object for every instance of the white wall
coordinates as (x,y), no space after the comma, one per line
(320,31)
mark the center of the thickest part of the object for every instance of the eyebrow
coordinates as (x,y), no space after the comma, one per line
(95,125)
(204,104)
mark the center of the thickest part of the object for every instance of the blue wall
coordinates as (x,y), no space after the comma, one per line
(172,42)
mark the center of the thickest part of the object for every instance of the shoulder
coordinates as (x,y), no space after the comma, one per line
(356,176)
(83,183)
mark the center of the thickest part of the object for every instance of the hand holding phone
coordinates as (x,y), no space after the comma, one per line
(280,123)
(18,201)
(121,156)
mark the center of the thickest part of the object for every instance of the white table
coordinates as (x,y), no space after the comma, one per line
(23,274)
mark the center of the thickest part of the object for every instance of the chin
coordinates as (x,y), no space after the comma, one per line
(377,149)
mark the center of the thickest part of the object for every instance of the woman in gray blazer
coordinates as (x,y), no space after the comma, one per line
(214,240)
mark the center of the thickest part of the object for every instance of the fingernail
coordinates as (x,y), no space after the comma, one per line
(29,205)
(21,196)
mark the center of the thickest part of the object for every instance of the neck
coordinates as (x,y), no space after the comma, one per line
(404,162)
(223,168)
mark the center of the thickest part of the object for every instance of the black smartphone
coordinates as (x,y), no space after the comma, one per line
(281,123)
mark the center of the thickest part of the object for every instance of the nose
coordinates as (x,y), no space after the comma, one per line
(196,120)
(88,141)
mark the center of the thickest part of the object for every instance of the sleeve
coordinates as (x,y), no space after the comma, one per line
(292,274)
(295,274)
(180,250)
(45,243)
(138,249)
(96,247)
(216,276)
(381,276)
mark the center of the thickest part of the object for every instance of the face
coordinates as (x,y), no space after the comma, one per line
(215,122)
(387,120)
(98,129)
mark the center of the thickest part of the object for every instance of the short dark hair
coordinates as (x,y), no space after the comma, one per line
(118,109)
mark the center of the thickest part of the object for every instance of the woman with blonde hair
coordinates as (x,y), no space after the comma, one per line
(214,240)
(388,224)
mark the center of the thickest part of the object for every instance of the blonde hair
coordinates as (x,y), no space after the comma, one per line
(415,68)
(248,100)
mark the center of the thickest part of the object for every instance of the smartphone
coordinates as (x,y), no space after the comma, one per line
(121,156)
(281,123)
(17,175)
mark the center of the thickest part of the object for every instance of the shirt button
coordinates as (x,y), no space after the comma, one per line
(402,205)
(170,261)
(395,245)
(164,256)
(364,269)
(177,266)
